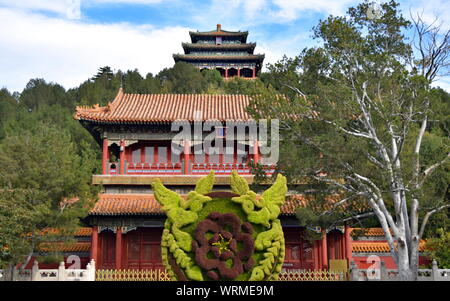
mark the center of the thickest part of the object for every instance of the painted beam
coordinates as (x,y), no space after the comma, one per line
(165,179)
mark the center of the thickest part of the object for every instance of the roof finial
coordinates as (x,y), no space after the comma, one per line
(219,27)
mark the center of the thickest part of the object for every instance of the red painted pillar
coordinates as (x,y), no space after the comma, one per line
(324,250)
(226,73)
(254,72)
(105,156)
(186,151)
(348,244)
(118,248)
(332,244)
(94,244)
(122,157)
(239,72)
(316,255)
(256,152)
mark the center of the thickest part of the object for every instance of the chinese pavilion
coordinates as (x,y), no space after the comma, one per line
(135,134)
(226,51)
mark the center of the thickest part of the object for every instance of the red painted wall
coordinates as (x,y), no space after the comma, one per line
(83,262)
(364,263)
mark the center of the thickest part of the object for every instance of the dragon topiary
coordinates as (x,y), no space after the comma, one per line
(222,235)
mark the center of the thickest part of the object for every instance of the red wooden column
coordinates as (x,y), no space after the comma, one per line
(226,73)
(254,72)
(94,244)
(186,152)
(122,157)
(332,244)
(348,244)
(105,156)
(324,250)
(118,248)
(239,72)
(256,152)
(316,255)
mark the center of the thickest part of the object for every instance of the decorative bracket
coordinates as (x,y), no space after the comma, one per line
(125,230)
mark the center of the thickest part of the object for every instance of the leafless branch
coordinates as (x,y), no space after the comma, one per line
(427,217)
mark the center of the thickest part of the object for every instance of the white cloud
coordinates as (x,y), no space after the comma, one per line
(68,8)
(429,10)
(68,52)
(126,1)
(444,83)
(292,9)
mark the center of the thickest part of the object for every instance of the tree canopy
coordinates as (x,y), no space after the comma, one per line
(358,118)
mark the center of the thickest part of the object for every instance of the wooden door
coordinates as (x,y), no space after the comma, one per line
(107,242)
(335,245)
(299,252)
(143,249)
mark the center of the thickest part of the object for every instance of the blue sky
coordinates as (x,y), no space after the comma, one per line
(66,41)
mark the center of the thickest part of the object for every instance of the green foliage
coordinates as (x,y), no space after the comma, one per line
(177,240)
(205,184)
(168,199)
(438,249)
(247,201)
(8,110)
(52,258)
(272,241)
(40,170)
(242,86)
(48,156)
(16,218)
(238,184)
(38,93)
(196,200)
(358,58)
(270,203)
(183,78)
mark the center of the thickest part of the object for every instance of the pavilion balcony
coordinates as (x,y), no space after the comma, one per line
(182,169)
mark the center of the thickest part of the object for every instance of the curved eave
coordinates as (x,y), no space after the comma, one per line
(196,46)
(242,35)
(146,122)
(161,214)
(183,57)
(221,33)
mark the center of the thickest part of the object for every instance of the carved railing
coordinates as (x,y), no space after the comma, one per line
(205,168)
(3,275)
(132,275)
(383,274)
(113,168)
(63,274)
(153,168)
(312,275)
(178,168)
(227,168)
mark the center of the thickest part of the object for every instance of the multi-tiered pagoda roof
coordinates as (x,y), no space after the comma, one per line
(226,51)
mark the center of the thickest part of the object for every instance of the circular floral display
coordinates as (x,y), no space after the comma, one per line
(227,260)
(222,235)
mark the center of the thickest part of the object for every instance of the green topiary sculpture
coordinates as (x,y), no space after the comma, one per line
(222,235)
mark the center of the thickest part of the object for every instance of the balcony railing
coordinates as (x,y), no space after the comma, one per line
(179,168)
(155,168)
